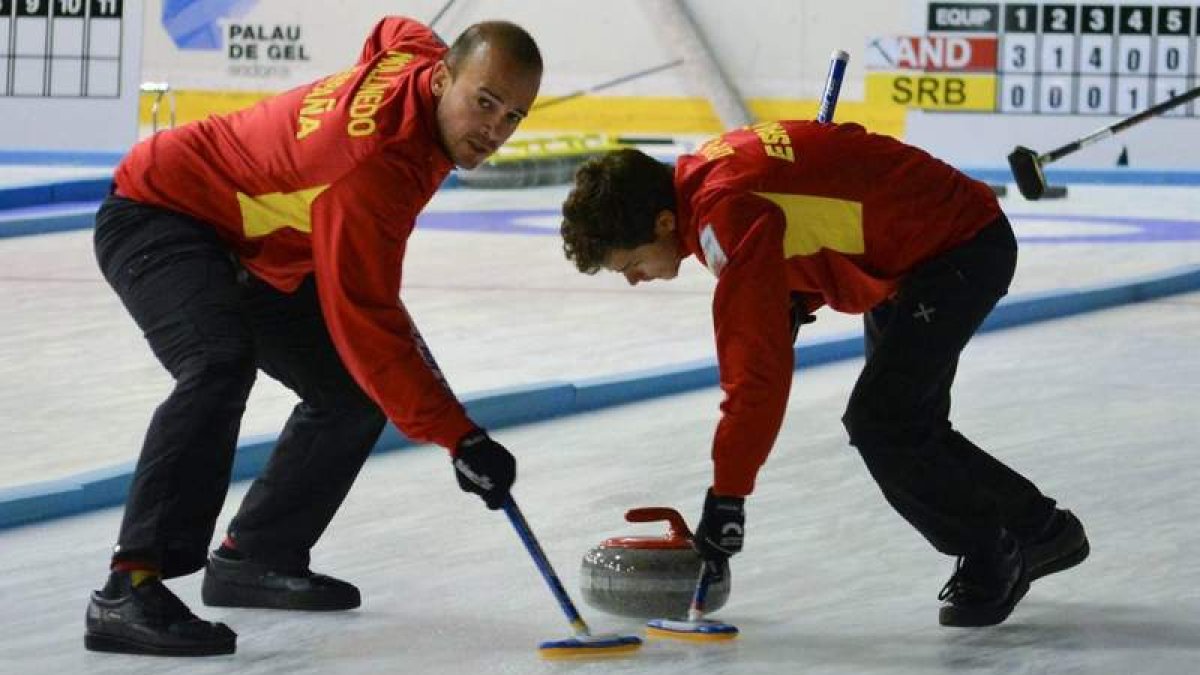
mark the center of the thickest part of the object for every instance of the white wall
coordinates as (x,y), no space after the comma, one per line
(771,48)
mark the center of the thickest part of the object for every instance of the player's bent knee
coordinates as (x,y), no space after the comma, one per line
(863,427)
(875,436)
(366,419)
(345,401)
(218,377)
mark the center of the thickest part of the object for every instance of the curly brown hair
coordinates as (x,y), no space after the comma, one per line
(614,204)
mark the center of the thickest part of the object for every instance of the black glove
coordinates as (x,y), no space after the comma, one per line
(719,534)
(484,467)
(799,315)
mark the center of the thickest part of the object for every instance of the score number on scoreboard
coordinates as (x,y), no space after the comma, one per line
(1042,59)
(1095,59)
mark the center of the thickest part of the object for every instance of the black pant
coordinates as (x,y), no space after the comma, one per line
(212,325)
(954,493)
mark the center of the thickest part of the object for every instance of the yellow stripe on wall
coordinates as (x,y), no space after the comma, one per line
(882,119)
(588,114)
(195,105)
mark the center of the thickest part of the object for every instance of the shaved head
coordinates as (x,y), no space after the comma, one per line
(485,86)
(505,38)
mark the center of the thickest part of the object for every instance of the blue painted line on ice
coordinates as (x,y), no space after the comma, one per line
(79,215)
(86,189)
(1054,175)
(1094,176)
(80,190)
(86,158)
(102,488)
(1105,229)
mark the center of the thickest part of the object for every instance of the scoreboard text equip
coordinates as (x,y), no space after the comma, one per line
(1082,58)
(61,48)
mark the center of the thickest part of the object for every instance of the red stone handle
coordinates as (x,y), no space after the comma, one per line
(678,526)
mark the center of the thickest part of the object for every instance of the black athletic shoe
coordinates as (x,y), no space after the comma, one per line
(1062,545)
(244,583)
(150,619)
(985,586)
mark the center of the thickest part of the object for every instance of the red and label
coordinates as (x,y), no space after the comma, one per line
(932,53)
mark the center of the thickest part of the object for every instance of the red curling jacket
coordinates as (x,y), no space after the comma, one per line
(831,211)
(328,179)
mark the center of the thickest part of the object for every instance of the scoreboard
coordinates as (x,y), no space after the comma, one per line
(69,73)
(982,77)
(1084,59)
(1044,58)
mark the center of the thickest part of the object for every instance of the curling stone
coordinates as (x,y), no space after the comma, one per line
(648,577)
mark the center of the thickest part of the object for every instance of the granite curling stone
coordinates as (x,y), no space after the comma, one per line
(647,577)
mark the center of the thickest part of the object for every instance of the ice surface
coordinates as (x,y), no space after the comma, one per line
(1100,410)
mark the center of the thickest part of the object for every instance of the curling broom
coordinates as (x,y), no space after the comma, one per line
(696,628)
(1027,164)
(582,645)
(833,84)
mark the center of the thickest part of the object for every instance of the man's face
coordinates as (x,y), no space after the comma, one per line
(657,260)
(481,106)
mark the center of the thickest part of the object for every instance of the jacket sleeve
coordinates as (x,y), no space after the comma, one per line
(360,227)
(751,322)
(396,32)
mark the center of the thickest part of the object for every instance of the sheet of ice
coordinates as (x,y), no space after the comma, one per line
(499,309)
(1099,410)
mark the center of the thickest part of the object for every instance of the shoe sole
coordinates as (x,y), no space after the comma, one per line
(218,594)
(1060,564)
(109,643)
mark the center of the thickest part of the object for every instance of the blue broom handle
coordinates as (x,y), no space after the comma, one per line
(700,595)
(833,85)
(543,564)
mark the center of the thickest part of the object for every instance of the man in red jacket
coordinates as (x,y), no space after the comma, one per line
(792,216)
(273,238)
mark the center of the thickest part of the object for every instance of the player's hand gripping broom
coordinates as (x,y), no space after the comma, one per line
(696,628)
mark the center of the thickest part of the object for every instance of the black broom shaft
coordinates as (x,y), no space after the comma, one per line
(611,83)
(1119,126)
(441,11)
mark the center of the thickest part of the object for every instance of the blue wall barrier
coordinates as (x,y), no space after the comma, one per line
(502,408)
(58,192)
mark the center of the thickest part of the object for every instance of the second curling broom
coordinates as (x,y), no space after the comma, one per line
(695,627)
